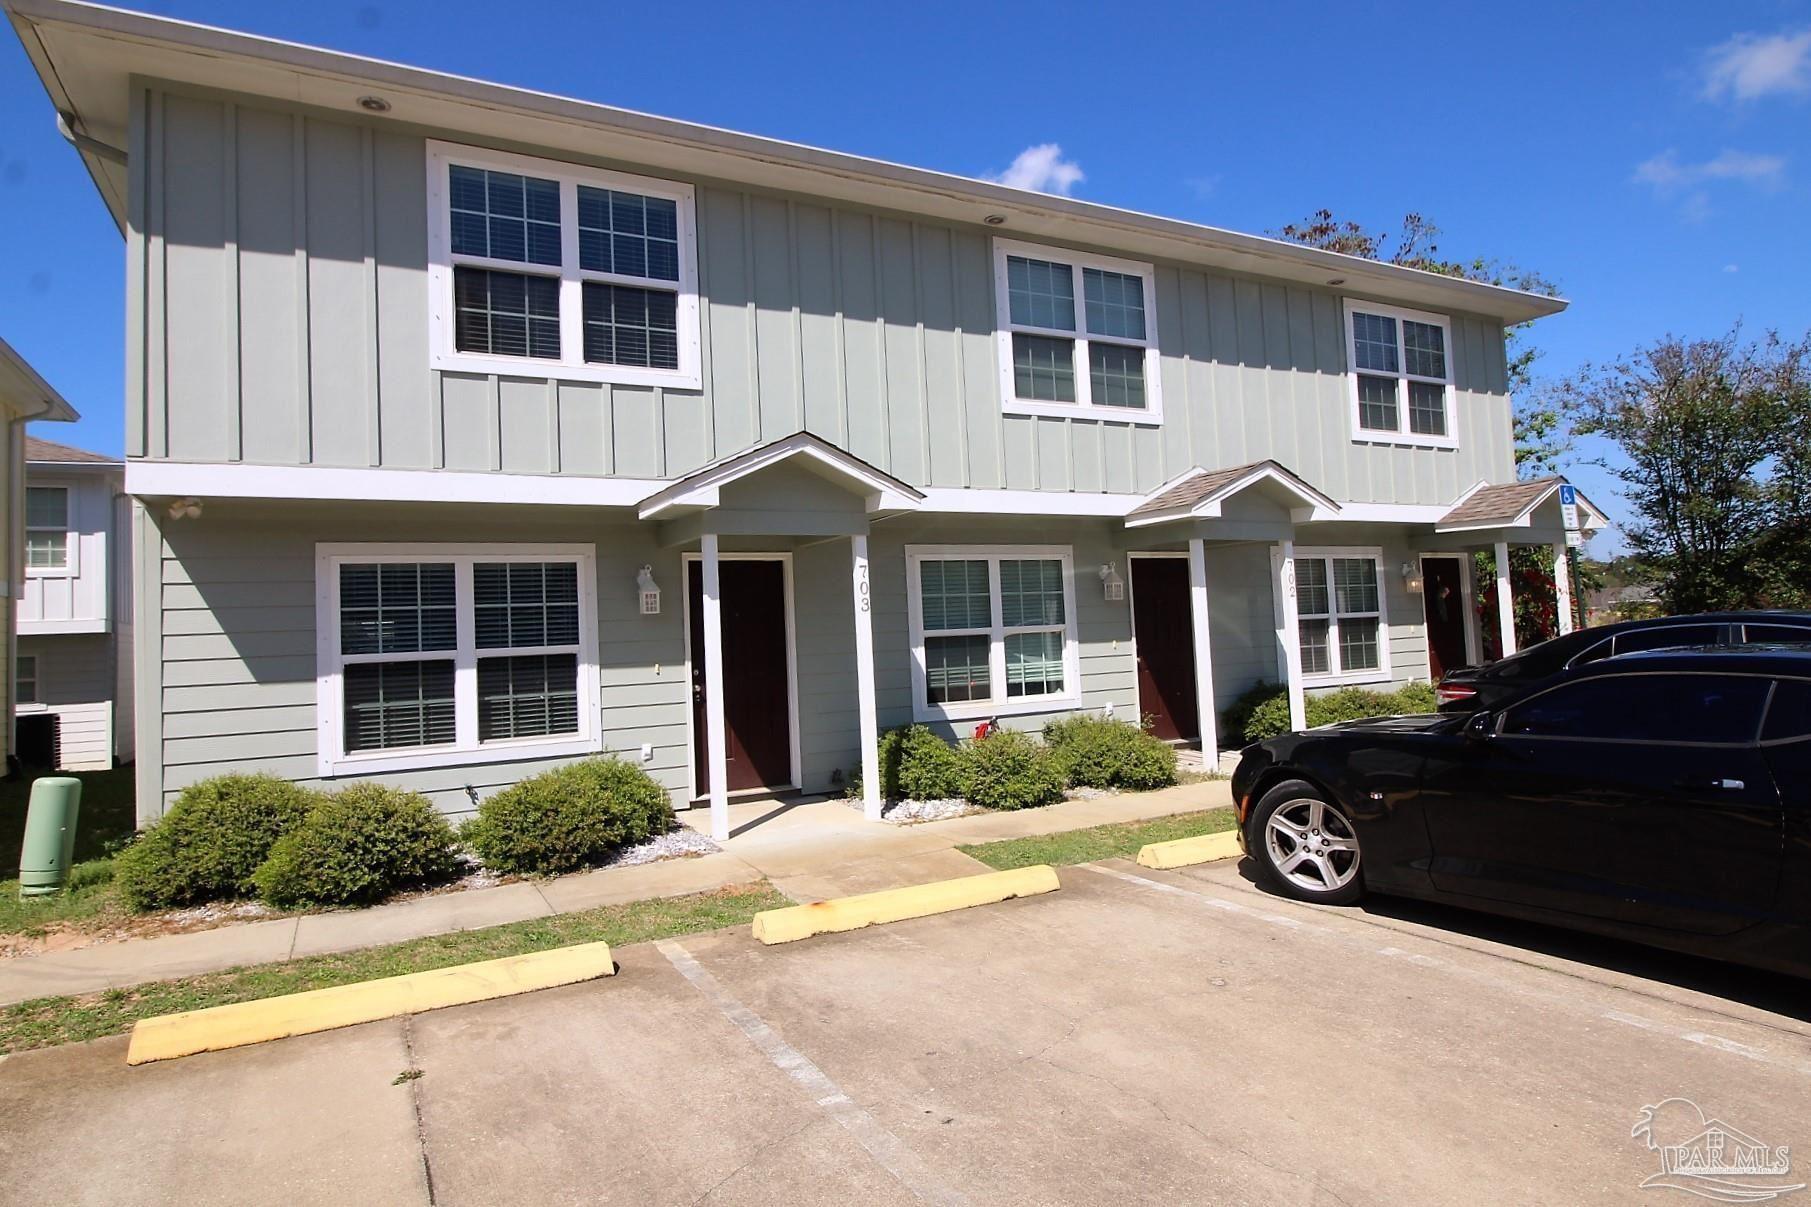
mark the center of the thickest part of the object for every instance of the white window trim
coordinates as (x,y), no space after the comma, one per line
(1083,406)
(466,750)
(1343,677)
(1365,435)
(572,365)
(72,540)
(1001,705)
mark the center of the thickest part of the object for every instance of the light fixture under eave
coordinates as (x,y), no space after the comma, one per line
(1112,587)
(374,104)
(1411,578)
(1337,281)
(995,220)
(185,509)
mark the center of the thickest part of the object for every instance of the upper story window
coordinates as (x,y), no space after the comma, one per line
(1340,615)
(548,269)
(437,655)
(47,538)
(1077,334)
(1402,376)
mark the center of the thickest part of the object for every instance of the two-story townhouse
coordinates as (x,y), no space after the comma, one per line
(74,665)
(474,429)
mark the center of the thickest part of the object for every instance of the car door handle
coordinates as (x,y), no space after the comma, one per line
(1713,784)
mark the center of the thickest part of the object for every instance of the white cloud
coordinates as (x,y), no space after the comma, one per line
(1732,268)
(1749,66)
(1666,172)
(1205,186)
(1042,169)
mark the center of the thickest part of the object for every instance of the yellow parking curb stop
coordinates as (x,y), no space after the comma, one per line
(895,905)
(1184,852)
(219,1027)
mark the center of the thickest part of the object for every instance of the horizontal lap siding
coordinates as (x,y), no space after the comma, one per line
(280,269)
(238,664)
(75,677)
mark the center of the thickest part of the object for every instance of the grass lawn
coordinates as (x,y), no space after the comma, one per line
(44,1022)
(1119,840)
(105,820)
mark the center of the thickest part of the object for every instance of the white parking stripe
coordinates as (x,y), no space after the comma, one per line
(1689,1035)
(868,1131)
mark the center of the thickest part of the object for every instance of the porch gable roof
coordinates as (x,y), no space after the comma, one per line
(1509,505)
(701,488)
(1198,493)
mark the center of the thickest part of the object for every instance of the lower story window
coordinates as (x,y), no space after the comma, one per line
(993,629)
(1339,607)
(25,680)
(436,658)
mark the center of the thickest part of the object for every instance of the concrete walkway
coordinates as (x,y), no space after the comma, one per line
(809,850)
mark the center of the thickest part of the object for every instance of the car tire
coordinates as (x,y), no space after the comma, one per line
(1305,845)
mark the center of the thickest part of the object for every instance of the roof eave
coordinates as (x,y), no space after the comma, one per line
(1356,274)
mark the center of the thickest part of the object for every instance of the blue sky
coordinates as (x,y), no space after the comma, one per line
(1654,159)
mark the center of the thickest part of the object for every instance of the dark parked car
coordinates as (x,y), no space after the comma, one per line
(1663,797)
(1474,687)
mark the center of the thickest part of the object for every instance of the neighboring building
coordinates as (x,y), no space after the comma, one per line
(1608,605)
(24,396)
(472,429)
(74,666)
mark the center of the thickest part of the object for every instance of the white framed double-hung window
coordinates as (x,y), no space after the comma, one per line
(1077,334)
(1339,604)
(50,546)
(993,630)
(1401,370)
(541,268)
(439,655)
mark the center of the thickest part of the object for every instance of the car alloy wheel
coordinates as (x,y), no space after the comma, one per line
(1311,845)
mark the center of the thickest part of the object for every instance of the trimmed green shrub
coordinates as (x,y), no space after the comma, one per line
(929,767)
(1007,770)
(568,818)
(1263,712)
(210,842)
(357,847)
(1099,752)
(915,764)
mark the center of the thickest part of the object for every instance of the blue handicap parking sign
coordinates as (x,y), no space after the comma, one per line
(1568,495)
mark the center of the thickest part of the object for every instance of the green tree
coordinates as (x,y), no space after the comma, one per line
(1714,436)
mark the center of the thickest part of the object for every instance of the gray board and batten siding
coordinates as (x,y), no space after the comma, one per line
(278,273)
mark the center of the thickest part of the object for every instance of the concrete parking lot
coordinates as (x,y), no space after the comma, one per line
(1138,1036)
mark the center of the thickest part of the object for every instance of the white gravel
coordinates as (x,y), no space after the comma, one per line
(677,843)
(911,812)
(221,911)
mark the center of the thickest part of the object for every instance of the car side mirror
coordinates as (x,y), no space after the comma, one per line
(1481,726)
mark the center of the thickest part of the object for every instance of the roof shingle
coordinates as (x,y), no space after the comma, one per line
(46,450)
(1502,503)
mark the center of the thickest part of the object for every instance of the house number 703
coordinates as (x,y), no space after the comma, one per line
(861,587)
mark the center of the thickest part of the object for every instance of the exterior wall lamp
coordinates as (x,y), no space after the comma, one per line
(1112,587)
(649,591)
(1411,578)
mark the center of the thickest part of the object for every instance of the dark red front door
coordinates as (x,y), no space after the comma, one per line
(757,708)
(1164,631)
(1443,599)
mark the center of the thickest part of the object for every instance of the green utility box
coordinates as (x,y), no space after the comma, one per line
(49,835)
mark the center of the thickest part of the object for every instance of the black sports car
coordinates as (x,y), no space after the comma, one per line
(1471,688)
(1663,797)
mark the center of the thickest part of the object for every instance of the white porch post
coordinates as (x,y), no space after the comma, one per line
(1505,605)
(1289,637)
(864,679)
(717,743)
(1562,587)
(1204,657)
